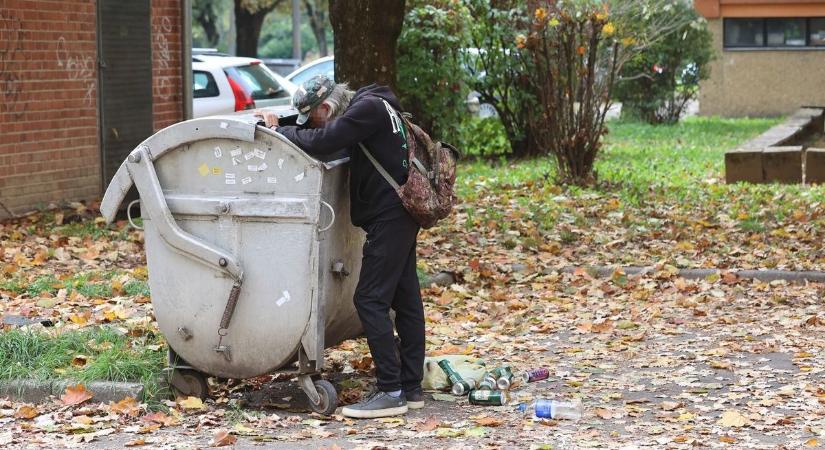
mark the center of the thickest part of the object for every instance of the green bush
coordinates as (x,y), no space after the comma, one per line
(483,137)
(430,76)
(658,82)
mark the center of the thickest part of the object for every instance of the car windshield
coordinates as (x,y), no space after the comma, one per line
(325,68)
(258,81)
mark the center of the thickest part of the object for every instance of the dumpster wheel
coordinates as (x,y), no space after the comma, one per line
(329,398)
(190,383)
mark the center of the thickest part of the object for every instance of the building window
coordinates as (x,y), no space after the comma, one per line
(774,33)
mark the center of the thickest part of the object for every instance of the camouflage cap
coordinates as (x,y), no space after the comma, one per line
(311,94)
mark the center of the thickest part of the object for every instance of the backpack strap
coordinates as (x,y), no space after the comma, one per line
(379,167)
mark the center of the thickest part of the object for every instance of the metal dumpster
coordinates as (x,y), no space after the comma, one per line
(249,250)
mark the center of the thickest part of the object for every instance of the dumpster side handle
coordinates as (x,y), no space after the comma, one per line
(143,174)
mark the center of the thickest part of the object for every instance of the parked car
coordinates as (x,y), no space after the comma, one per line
(224,84)
(321,66)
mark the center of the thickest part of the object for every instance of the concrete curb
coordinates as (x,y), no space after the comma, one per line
(761,275)
(445,279)
(38,391)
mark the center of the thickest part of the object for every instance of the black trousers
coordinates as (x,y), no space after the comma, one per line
(388,279)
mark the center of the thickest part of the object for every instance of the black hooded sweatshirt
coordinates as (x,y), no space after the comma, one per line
(372,118)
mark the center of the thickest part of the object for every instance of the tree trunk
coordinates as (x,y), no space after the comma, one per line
(317,19)
(248,24)
(366,32)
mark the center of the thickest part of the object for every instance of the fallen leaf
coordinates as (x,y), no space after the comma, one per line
(670,406)
(160,418)
(26,412)
(813,442)
(191,403)
(727,439)
(127,406)
(221,438)
(489,421)
(732,418)
(476,432)
(75,395)
(428,425)
(136,443)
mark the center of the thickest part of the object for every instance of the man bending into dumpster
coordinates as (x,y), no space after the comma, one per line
(333,118)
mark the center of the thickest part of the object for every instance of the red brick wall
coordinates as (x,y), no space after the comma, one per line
(166,63)
(48,103)
(49,136)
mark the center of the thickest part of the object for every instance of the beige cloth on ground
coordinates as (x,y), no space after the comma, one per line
(467,366)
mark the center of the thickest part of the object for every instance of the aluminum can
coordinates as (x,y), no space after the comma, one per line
(489,398)
(534,375)
(463,387)
(505,379)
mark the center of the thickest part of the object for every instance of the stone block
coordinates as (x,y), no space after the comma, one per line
(815,166)
(782,164)
(743,165)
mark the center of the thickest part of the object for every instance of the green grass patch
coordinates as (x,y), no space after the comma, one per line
(92,354)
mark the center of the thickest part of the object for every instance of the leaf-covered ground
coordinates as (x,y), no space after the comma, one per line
(659,361)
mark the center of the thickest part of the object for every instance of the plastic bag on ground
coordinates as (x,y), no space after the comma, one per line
(467,366)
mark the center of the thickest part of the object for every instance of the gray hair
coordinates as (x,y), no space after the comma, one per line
(339,100)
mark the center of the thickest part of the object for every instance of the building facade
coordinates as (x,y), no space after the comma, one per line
(770,56)
(82,82)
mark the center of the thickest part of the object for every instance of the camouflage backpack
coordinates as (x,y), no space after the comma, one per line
(428,194)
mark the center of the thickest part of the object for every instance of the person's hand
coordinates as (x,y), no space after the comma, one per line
(270,118)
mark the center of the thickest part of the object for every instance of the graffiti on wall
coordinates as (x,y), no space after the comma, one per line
(160,29)
(79,67)
(11,53)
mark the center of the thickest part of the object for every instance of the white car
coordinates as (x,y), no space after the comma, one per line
(321,66)
(224,84)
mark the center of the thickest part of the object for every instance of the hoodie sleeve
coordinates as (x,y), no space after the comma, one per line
(357,123)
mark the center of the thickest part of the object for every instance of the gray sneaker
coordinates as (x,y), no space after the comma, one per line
(415,399)
(377,404)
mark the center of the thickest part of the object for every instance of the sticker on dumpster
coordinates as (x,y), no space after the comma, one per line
(252,168)
(246,180)
(259,153)
(216,170)
(235,161)
(230,181)
(236,152)
(229,175)
(280,163)
(262,167)
(271,180)
(218,152)
(299,177)
(249,156)
(224,125)
(203,169)
(284,298)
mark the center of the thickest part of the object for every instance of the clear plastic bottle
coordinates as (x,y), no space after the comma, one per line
(553,409)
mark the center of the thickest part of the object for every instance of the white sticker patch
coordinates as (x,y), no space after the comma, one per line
(299,177)
(230,181)
(235,161)
(218,152)
(249,156)
(271,180)
(224,125)
(284,298)
(236,152)
(281,163)
(246,180)
(252,168)
(229,175)
(262,167)
(259,153)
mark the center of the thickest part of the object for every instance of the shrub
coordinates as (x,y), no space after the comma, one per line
(577,48)
(659,81)
(483,137)
(496,68)
(430,75)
